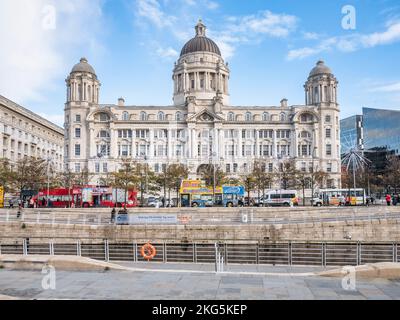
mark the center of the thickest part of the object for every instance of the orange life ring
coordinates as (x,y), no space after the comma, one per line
(148,251)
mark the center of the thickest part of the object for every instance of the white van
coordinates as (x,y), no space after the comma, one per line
(280,198)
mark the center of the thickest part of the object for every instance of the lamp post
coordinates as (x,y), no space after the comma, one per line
(312,176)
(214,155)
(49,159)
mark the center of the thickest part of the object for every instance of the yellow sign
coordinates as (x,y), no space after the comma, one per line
(1,197)
(197,187)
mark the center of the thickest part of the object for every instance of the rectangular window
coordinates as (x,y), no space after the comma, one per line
(328,133)
(228,168)
(178,150)
(105,167)
(328,149)
(270,167)
(77,132)
(77,150)
(77,167)
(329,167)
(78,118)
(235,167)
(97,167)
(304,150)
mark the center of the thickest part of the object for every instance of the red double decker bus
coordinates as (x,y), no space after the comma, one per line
(86,197)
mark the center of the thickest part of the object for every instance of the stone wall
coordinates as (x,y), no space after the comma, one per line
(365,230)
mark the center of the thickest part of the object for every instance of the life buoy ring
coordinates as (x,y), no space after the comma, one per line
(148,251)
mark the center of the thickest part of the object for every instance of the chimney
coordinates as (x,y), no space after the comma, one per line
(284,103)
(121,102)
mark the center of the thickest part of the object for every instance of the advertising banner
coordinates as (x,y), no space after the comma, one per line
(153,219)
(1,197)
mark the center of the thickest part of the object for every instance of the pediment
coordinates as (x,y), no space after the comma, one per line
(205,116)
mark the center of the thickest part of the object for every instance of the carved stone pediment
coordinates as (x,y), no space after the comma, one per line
(206,116)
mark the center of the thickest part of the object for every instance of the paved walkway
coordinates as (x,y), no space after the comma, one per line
(148,285)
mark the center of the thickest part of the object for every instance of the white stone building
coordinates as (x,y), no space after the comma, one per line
(24,133)
(201,127)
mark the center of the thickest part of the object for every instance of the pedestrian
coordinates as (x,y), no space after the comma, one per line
(342,200)
(113,215)
(388,199)
(10,202)
(163,202)
(19,212)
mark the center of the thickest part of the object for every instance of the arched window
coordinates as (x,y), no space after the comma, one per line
(306,117)
(283,117)
(231,116)
(125,116)
(248,116)
(265,116)
(143,116)
(178,116)
(103,117)
(161,116)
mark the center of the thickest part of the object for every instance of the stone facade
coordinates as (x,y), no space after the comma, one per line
(24,133)
(201,127)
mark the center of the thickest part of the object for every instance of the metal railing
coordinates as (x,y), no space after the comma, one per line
(198,217)
(219,253)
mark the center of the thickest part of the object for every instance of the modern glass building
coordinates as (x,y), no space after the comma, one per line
(351,133)
(381,129)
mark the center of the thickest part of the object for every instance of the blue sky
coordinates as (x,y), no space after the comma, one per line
(271,46)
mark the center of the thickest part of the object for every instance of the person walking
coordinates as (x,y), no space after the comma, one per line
(388,199)
(112,215)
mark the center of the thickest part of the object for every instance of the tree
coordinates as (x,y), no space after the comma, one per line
(125,178)
(30,174)
(287,175)
(83,178)
(207,174)
(263,179)
(249,183)
(176,173)
(147,180)
(6,175)
(392,176)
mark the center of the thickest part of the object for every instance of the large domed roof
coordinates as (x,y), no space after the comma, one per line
(320,68)
(200,42)
(83,66)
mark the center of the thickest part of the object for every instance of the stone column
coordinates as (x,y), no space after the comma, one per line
(294,144)
(151,149)
(275,155)
(257,147)
(169,143)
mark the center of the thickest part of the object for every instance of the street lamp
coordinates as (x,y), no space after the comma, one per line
(49,159)
(214,155)
(312,176)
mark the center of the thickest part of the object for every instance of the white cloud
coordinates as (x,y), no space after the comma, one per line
(167,52)
(253,28)
(265,22)
(311,35)
(58,119)
(392,34)
(393,87)
(211,5)
(34,53)
(350,43)
(152,11)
